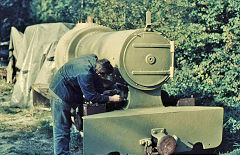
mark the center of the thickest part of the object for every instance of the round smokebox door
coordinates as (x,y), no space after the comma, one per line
(147,59)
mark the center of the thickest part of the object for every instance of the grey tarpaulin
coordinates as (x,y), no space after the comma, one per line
(35,58)
(16,38)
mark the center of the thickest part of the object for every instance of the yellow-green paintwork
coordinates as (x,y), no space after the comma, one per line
(121,130)
(128,51)
(145,60)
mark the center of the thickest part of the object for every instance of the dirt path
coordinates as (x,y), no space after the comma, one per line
(29,131)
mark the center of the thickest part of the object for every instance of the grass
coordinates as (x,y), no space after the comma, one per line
(28,131)
(8,110)
(45,127)
(5,88)
(23,131)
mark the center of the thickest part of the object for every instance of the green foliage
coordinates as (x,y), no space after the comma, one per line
(216,79)
(13,13)
(121,14)
(56,11)
(235,152)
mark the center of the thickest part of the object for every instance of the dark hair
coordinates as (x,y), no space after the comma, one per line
(103,66)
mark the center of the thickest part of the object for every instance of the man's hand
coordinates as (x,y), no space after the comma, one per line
(115,98)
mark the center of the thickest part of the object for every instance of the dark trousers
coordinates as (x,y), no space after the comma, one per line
(61,113)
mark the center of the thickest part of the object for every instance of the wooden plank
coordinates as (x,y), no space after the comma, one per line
(42,89)
(40,95)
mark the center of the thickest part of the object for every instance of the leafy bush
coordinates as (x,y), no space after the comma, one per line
(235,152)
(207,53)
(13,13)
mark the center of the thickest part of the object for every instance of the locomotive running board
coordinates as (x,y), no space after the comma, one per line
(120,131)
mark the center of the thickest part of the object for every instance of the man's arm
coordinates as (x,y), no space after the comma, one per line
(86,84)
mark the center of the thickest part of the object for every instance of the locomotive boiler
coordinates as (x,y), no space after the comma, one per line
(144,61)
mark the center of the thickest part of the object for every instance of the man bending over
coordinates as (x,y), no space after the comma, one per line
(78,78)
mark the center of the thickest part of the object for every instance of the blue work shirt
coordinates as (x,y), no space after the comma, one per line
(77,78)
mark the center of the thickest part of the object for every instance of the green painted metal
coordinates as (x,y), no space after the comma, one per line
(145,60)
(122,130)
(144,98)
(67,44)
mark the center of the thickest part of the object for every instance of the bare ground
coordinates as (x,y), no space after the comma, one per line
(29,131)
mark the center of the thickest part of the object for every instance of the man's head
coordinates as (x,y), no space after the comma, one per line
(103,68)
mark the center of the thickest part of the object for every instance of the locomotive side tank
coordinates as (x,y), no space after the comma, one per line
(145,60)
